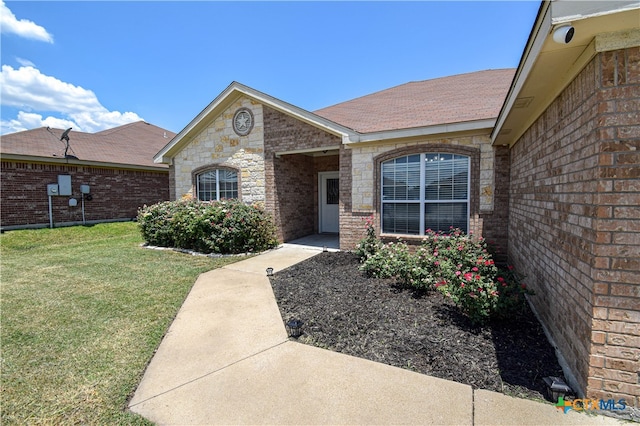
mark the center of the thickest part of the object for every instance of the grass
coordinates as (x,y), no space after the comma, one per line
(82,311)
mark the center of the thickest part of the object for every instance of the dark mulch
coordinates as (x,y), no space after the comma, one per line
(345,311)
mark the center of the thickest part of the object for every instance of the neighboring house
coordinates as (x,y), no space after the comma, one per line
(542,161)
(116,165)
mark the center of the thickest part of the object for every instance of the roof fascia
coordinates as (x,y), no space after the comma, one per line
(232,92)
(73,162)
(449,128)
(541,28)
(308,150)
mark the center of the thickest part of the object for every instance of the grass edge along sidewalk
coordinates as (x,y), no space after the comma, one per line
(82,311)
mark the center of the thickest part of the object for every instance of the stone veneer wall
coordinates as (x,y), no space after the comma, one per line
(574,223)
(219,146)
(488,197)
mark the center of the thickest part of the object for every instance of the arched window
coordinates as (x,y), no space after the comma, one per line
(425,191)
(218,184)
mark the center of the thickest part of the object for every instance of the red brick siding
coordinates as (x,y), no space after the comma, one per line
(172,182)
(352,225)
(292,180)
(116,193)
(574,230)
(494,224)
(616,265)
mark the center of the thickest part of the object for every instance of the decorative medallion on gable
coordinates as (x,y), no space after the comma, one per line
(242,121)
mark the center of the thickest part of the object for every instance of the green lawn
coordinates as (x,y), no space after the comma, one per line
(82,311)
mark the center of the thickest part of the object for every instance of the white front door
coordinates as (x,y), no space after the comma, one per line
(329,191)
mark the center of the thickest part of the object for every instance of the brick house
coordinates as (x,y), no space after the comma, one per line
(117,165)
(542,160)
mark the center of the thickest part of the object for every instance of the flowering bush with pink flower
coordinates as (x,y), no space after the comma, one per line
(458,265)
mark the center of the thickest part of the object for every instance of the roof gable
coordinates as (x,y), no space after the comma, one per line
(234,91)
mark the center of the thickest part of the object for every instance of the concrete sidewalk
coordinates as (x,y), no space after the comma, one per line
(226,359)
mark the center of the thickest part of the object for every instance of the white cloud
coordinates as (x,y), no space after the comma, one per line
(25,62)
(29,120)
(9,24)
(27,89)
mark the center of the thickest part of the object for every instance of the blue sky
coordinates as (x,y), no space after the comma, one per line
(97,65)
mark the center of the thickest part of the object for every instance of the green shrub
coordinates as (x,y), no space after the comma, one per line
(391,260)
(370,244)
(208,227)
(458,265)
(155,223)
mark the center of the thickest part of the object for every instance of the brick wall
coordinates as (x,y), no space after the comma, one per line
(615,362)
(494,224)
(574,226)
(292,180)
(352,224)
(116,193)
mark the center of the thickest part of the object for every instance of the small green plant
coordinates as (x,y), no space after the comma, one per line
(370,244)
(457,264)
(227,226)
(391,260)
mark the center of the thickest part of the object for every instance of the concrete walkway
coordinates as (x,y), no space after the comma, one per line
(226,359)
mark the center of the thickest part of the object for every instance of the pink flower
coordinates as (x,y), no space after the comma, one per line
(474,269)
(436,263)
(462,285)
(478,277)
(500,279)
(468,276)
(488,262)
(458,273)
(435,253)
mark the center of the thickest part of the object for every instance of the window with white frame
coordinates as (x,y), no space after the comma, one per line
(218,184)
(425,191)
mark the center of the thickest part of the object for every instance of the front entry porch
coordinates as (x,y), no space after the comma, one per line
(317,241)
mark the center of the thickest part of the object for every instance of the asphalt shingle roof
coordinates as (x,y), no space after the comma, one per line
(130,144)
(459,98)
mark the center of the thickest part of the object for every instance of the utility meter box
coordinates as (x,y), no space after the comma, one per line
(64,183)
(52,189)
(85,189)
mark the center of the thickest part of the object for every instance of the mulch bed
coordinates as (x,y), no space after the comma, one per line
(345,311)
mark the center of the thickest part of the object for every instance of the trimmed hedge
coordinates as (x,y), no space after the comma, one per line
(224,227)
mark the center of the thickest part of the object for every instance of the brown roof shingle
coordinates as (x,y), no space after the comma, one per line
(131,144)
(459,98)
